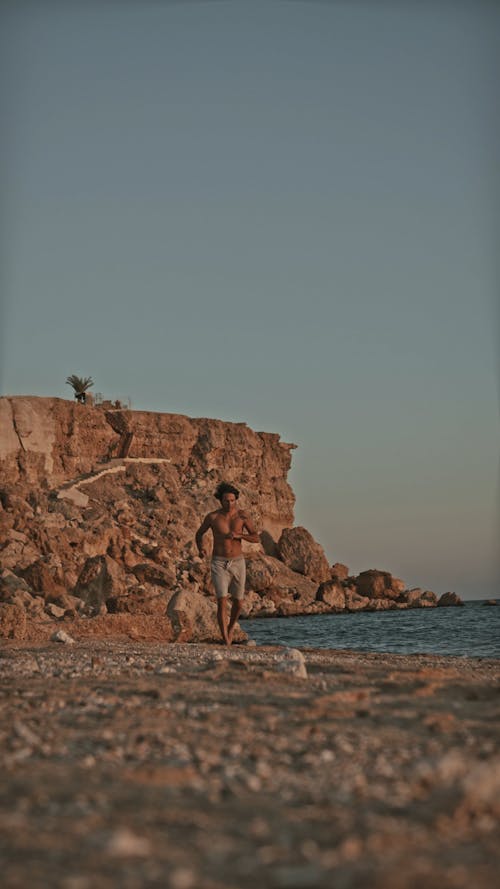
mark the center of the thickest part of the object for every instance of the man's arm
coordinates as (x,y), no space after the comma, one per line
(204,527)
(251,536)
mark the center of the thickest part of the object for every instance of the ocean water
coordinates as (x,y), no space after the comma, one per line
(472,631)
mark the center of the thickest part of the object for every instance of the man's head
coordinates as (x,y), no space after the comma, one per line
(227,494)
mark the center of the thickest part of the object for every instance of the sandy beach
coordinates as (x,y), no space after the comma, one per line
(197,767)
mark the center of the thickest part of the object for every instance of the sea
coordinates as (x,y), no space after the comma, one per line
(471,630)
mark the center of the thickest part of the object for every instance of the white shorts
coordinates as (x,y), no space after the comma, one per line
(228,577)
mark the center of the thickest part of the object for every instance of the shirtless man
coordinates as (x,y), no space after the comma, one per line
(229,526)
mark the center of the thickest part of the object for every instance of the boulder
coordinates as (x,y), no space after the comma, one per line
(41,579)
(100,578)
(149,572)
(260,573)
(449,599)
(300,552)
(292,662)
(194,619)
(416,598)
(11,583)
(339,571)
(355,602)
(332,594)
(71,605)
(270,577)
(54,611)
(379,584)
(145,599)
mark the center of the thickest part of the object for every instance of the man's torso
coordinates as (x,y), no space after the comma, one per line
(222,524)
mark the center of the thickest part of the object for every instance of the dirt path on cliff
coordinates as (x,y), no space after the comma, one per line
(188,766)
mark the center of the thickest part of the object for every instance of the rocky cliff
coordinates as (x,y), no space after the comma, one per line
(98,510)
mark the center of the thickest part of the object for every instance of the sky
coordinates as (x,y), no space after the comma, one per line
(283,213)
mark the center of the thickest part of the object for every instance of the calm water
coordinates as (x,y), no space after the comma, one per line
(473,631)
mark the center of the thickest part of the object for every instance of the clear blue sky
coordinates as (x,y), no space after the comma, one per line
(282,213)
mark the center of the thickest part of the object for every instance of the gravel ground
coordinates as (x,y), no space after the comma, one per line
(197,767)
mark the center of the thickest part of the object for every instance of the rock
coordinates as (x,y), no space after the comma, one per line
(125,844)
(34,606)
(355,602)
(194,619)
(267,607)
(339,571)
(54,611)
(69,604)
(378,584)
(332,594)
(252,604)
(74,495)
(277,583)
(381,605)
(63,637)
(293,662)
(259,576)
(10,584)
(148,572)
(490,602)
(300,552)
(12,621)
(416,598)
(41,579)
(145,600)
(100,578)
(449,599)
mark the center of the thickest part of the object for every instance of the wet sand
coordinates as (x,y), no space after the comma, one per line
(194,767)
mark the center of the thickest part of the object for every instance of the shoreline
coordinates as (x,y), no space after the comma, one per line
(193,766)
(236,649)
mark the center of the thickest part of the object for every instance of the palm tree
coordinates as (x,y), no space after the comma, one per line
(80,385)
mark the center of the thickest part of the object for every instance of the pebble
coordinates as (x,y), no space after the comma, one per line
(182,878)
(123,843)
(293,662)
(62,636)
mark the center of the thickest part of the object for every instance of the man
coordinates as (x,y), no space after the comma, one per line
(229,526)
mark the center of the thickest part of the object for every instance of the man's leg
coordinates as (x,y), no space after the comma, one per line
(220,580)
(236,606)
(222,619)
(236,591)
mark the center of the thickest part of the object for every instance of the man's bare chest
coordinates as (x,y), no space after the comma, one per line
(225,524)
